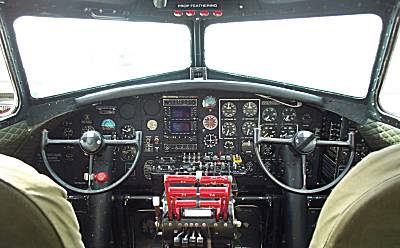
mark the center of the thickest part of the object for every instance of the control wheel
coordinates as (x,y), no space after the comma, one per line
(303,143)
(91,142)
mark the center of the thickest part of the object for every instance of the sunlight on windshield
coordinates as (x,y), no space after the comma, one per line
(61,55)
(334,53)
(390,92)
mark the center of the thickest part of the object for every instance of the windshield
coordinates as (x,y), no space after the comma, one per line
(62,54)
(335,53)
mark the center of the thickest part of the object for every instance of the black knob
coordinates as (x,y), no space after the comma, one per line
(304,142)
(91,141)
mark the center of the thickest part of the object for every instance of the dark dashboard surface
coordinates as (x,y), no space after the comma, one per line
(208,131)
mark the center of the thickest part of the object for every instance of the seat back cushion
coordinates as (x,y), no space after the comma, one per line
(34,211)
(363,210)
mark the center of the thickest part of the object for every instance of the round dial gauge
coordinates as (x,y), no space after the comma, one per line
(228,109)
(229,129)
(266,149)
(289,114)
(210,140)
(248,128)
(250,109)
(229,145)
(268,131)
(210,122)
(287,131)
(128,131)
(108,125)
(152,125)
(250,167)
(128,153)
(269,114)
(209,102)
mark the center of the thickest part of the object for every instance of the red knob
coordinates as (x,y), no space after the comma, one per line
(101,177)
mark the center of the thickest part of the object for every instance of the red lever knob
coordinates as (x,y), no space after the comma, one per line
(101,177)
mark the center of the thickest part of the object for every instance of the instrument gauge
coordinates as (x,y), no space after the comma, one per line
(229,109)
(288,131)
(108,125)
(152,125)
(250,167)
(250,109)
(266,150)
(128,153)
(229,129)
(128,131)
(68,132)
(268,131)
(289,114)
(210,140)
(269,114)
(229,145)
(248,128)
(210,122)
(209,102)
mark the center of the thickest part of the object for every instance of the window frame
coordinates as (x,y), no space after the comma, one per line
(13,74)
(393,38)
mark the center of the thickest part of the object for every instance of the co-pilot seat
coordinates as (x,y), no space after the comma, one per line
(363,211)
(34,211)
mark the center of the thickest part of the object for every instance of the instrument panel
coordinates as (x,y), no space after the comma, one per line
(184,133)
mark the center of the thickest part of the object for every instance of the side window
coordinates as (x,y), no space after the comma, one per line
(7,93)
(390,91)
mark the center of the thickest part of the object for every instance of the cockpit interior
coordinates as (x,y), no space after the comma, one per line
(208,123)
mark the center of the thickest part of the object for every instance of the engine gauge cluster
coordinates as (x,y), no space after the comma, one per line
(238,118)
